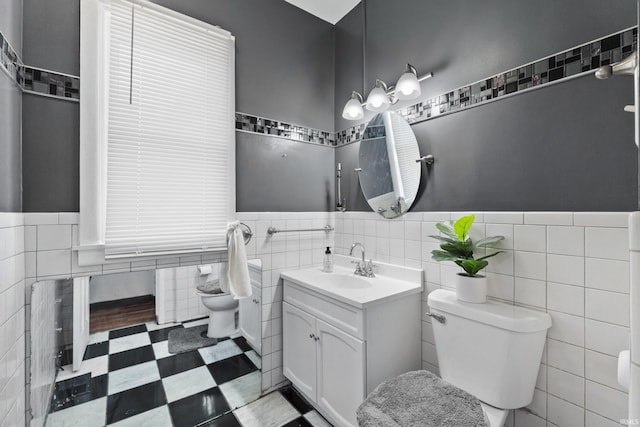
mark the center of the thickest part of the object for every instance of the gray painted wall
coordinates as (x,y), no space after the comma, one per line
(564,147)
(280,175)
(10,114)
(50,154)
(349,58)
(284,71)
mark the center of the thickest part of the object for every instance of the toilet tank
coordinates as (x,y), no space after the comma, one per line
(491,350)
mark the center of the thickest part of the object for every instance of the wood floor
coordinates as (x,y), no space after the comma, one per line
(109,315)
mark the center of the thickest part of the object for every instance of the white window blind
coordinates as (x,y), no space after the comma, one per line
(170,133)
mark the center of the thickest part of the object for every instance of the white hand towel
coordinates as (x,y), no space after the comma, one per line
(235,277)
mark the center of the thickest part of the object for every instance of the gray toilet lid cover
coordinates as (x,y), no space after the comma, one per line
(210,287)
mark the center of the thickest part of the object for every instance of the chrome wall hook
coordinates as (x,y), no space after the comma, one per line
(428,159)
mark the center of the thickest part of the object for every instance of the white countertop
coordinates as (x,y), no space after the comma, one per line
(391,282)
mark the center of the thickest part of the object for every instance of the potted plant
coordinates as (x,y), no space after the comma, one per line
(458,247)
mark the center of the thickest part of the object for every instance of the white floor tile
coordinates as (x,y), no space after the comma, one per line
(133,376)
(161,349)
(96,366)
(220,351)
(187,383)
(272,410)
(153,326)
(242,390)
(88,414)
(127,343)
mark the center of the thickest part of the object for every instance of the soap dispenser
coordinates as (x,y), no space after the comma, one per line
(327,266)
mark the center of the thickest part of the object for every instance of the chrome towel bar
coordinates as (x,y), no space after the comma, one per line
(272,230)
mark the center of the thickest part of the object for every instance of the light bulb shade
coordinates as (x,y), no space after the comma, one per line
(378,100)
(353,108)
(408,86)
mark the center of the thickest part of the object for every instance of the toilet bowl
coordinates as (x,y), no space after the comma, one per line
(222,309)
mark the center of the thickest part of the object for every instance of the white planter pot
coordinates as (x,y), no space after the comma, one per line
(471,289)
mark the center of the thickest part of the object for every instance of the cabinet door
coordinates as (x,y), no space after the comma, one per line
(299,349)
(341,368)
(250,319)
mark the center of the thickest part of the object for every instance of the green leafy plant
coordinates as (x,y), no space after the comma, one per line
(458,247)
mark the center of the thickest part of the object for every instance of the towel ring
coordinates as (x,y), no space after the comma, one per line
(246,233)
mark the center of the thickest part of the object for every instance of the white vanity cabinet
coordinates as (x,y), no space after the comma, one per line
(250,319)
(335,353)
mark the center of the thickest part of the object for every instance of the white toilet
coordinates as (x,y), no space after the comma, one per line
(223,309)
(492,350)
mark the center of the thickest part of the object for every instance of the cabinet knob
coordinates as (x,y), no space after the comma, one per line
(317,338)
(312,336)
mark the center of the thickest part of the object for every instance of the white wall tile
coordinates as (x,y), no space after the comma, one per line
(566,386)
(548,218)
(605,274)
(607,306)
(606,401)
(530,238)
(565,298)
(567,328)
(602,368)
(54,237)
(530,265)
(30,238)
(501,263)
(412,230)
(566,357)
(595,420)
(504,230)
(500,286)
(531,292)
(40,218)
(601,219)
(565,240)
(504,217)
(609,243)
(564,414)
(565,269)
(605,337)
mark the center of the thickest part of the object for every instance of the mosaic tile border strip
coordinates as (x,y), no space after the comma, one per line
(37,80)
(260,125)
(10,61)
(565,65)
(49,83)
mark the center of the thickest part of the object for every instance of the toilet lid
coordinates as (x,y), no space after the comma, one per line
(211,287)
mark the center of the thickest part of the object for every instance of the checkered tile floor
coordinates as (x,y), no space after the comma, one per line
(128,378)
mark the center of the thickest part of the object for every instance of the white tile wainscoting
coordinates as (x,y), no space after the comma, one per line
(575,266)
(12,320)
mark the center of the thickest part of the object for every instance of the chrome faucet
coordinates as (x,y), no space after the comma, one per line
(366,268)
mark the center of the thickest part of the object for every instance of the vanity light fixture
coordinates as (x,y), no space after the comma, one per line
(353,108)
(408,85)
(381,96)
(378,99)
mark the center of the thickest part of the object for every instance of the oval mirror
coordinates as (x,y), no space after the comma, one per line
(389,176)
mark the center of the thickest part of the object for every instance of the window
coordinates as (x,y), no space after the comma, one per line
(157,132)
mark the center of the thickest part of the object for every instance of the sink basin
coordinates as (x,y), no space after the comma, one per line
(342,280)
(390,282)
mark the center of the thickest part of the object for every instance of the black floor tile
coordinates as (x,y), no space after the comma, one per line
(131,357)
(227,420)
(179,363)
(118,333)
(231,368)
(162,334)
(199,408)
(77,390)
(296,400)
(298,422)
(135,401)
(96,350)
(242,343)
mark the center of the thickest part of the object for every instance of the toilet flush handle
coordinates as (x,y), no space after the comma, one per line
(439,317)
